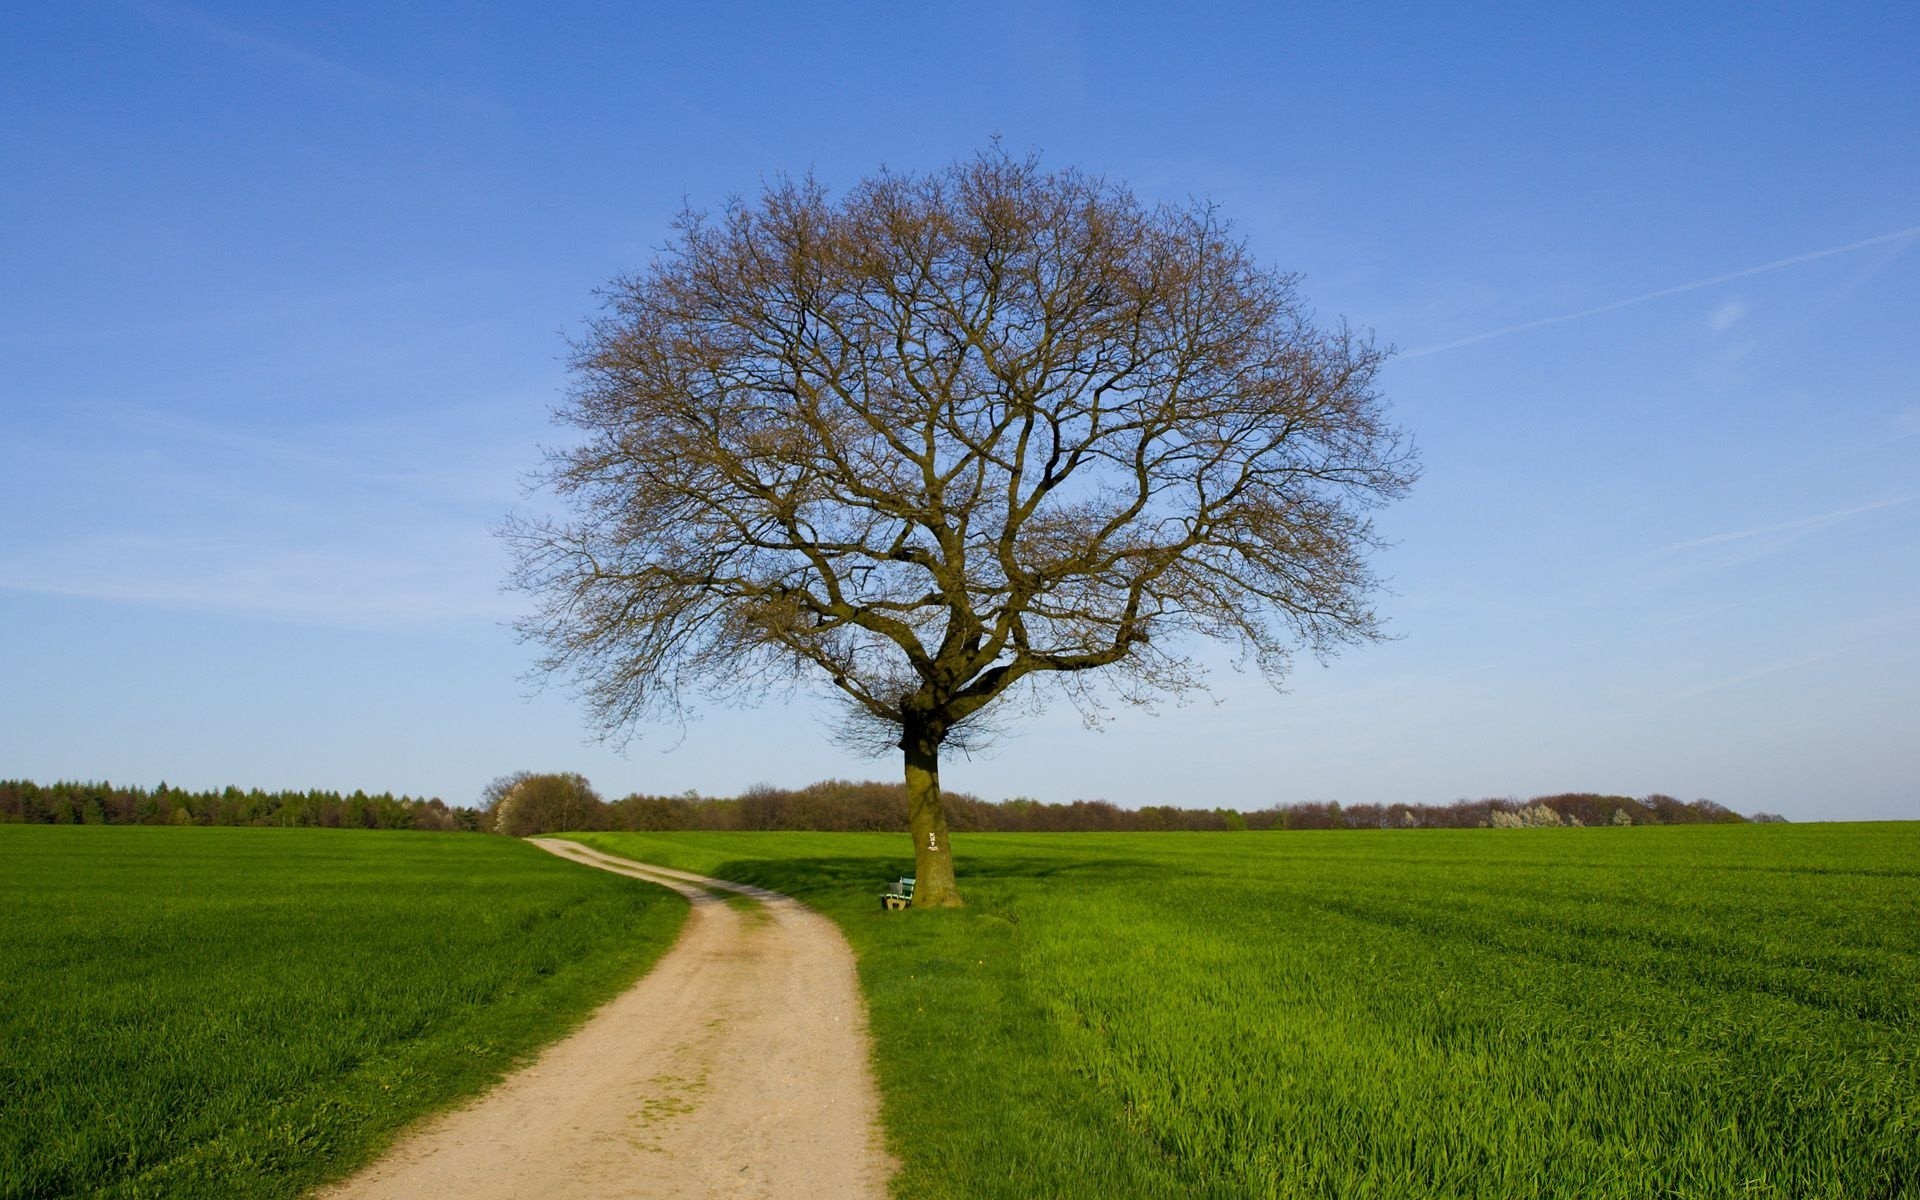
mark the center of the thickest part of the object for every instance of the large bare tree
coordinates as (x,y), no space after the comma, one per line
(954,436)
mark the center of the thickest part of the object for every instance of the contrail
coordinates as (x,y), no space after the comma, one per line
(1696,285)
(1814,522)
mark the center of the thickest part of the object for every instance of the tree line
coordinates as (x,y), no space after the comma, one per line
(78,803)
(528,803)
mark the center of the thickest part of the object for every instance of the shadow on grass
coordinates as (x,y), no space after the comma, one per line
(830,881)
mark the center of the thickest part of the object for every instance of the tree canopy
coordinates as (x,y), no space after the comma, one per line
(958,434)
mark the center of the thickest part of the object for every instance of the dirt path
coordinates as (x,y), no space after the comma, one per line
(738,1067)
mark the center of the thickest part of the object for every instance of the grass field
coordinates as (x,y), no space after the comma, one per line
(242,1012)
(1635,1013)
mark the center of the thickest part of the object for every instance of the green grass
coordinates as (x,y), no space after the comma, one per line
(1635,1013)
(244,1012)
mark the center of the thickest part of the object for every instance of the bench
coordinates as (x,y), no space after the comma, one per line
(900,896)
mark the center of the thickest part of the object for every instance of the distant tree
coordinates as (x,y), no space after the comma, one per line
(13,800)
(434,815)
(655,813)
(1713,813)
(549,803)
(957,436)
(762,807)
(494,793)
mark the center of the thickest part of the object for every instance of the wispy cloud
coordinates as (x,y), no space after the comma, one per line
(369,522)
(1899,235)
(395,586)
(472,453)
(1906,422)
(1869,630)
(315,66)
(1727,315)
(1761,672)
(1801,525)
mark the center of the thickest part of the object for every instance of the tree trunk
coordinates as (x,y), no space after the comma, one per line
(927,817)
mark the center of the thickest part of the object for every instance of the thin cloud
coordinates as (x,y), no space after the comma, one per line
(1842,638)
(1727,316)
(327,70)
(1678,289)
(1792,664)
(385,588)
(1801,525)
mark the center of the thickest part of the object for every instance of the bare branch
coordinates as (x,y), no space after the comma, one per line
(956,434)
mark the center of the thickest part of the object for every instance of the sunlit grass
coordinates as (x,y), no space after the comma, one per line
(1674,1012)
(242,1012)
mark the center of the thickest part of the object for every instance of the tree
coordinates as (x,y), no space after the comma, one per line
(496,791)
(958,436)
(524,804)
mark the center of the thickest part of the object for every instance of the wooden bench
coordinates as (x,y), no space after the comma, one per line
(900,896)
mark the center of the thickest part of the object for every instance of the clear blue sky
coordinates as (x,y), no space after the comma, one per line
(284,292)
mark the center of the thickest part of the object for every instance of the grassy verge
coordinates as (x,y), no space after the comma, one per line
(1676,1012)
(245,1012)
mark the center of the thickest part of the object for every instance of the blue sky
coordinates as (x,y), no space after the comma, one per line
(286,293)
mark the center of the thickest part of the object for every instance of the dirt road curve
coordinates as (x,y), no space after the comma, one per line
(737,1068)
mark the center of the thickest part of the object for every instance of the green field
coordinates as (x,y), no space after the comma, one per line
(1704,1011)
(242,1012)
